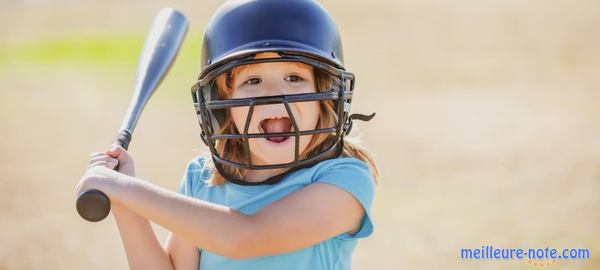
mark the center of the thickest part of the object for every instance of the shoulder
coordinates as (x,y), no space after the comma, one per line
(343,165)
(344,160)
(348,173)
(197,174)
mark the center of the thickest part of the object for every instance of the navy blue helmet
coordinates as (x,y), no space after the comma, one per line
(298,31)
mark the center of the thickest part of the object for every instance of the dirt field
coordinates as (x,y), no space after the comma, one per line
(487,129)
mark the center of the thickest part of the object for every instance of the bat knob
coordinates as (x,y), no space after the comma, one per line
(93,205)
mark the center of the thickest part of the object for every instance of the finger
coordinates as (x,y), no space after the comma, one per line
(103,164)
(102,161)
(95,154)
(107,164)
(111,164)
(118,152)
(101,158)
(114,151)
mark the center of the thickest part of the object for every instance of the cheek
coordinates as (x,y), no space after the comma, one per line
(238,114)
(310,114)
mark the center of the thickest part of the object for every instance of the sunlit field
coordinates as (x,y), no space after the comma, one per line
(487,129)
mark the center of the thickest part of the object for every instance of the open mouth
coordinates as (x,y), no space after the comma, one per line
(276,124)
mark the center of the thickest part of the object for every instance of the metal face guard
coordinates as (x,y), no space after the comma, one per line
(210,112)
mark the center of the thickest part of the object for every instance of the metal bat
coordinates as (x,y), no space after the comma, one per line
(160,49)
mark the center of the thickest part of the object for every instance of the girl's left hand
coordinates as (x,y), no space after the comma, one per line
(100,175)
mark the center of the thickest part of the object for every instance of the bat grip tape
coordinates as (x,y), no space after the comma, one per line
(123,138)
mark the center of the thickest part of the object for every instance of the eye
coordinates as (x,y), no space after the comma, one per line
(293,78)
(253,81)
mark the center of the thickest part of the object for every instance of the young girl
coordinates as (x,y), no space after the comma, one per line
(282,188)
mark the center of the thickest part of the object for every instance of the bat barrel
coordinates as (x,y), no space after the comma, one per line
(160,49)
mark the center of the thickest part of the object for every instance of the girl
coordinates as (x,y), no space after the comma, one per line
(282,189)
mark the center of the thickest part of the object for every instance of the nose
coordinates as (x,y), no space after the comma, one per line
(273,88)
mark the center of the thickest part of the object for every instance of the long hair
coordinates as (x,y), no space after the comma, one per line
(233,149)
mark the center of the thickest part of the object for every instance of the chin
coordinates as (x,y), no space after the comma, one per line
(276,152)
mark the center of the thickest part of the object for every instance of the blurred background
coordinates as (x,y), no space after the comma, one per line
(487,129)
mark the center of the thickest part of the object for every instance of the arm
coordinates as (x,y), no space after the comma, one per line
(289,224)
(283,226)
(142,248)
(183,254)
(141,245)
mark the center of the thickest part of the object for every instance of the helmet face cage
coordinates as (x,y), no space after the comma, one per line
(211,110)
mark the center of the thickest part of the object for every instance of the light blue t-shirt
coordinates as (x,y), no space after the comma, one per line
(335,253)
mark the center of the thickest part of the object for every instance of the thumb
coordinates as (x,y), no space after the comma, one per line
(114,150)
(118,152)
(125,161)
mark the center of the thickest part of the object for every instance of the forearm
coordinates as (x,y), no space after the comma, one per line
(142,248)
(207,225)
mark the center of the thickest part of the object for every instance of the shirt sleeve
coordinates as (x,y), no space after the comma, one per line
(354,176)
(192,180)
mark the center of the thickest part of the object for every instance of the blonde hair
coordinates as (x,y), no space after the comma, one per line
(233,149)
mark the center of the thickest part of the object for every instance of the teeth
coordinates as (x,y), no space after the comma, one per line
(260,124)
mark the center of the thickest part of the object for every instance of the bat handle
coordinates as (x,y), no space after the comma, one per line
(93,205)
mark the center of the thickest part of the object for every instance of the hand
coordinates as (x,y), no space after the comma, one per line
(112,157)
(100,172)
(101,178)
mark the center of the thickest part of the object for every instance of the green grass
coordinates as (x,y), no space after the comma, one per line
(117,49)
(112,56)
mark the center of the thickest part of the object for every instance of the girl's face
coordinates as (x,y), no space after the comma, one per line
(271,79)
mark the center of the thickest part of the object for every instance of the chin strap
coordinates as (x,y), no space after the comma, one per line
(357,116)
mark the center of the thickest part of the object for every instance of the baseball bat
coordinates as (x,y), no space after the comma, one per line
(159,51)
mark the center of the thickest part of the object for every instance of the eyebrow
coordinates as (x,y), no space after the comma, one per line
(237,70)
